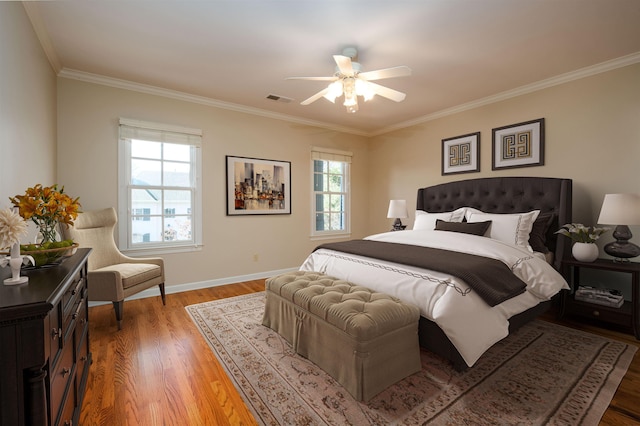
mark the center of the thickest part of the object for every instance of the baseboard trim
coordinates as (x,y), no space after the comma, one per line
(179,288)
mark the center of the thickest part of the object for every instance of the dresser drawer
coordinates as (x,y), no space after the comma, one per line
(66,413)
(54,333)
(82,361)
(61,376)
(70,300)
(80,318)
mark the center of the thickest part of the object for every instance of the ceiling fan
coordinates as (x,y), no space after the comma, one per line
(349,81)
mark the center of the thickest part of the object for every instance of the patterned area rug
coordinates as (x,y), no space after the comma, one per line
(544,374)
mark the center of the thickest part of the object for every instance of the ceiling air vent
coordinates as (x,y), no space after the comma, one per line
(279,98)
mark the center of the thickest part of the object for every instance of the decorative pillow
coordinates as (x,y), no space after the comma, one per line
(427,221)
(476,228)
(510,228)
(538,236)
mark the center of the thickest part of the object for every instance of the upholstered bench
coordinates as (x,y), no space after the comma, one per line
(365,340)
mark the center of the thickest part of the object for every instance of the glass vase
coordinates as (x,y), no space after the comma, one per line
(48,233)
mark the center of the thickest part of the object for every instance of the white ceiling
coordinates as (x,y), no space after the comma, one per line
(236,52)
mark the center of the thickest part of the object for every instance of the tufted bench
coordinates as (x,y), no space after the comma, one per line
(365,340)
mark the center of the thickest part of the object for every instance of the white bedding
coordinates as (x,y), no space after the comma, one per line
(471,324)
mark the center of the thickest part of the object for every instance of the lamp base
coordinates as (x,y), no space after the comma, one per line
(621,249)
(398,226)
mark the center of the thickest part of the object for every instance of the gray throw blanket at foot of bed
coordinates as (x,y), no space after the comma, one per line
(490,278)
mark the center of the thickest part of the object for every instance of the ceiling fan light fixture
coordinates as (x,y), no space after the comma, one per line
(350,101)
(334,91)
(350,97)
(350,81)
(364,89)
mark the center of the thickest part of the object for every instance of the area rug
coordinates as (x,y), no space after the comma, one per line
(544,374)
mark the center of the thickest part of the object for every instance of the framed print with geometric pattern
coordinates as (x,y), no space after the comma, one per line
(518,145)
(461,154)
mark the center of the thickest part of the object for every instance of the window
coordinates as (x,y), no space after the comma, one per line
(159,191)
(331,187)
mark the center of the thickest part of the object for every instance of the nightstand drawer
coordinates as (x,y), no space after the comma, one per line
(626,316)
(618,316)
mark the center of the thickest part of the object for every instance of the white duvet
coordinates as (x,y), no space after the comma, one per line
(471,324)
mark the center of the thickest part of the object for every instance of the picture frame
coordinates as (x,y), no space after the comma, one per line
(461,154)
(257,186)
(518,145)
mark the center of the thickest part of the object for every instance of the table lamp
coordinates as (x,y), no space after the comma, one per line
(397,209)
(621,210)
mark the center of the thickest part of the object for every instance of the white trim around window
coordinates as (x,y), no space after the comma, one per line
(330,193)
(159,188)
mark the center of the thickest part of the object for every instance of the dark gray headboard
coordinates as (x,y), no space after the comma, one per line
(507,195)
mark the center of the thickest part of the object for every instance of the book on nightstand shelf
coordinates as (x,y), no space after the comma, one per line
(599,296)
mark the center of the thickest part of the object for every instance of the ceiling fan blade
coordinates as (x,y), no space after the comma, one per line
(385,92)
(312,78)
(401,71)
(315,97)
(344,64)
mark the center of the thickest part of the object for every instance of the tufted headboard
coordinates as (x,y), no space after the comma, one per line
(507,195)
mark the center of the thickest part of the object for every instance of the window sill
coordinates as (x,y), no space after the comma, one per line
(329,237)
(154,251)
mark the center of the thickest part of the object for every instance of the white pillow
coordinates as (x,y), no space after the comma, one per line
(427,221)
(468,211)
(509,228)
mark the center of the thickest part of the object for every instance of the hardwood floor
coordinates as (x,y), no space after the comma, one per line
(158,370)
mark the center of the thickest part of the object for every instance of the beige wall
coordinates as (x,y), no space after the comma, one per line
(87,164)
(592,137)
(27,107)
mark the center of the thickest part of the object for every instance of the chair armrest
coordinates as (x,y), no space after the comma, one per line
(105,286)
(153,260)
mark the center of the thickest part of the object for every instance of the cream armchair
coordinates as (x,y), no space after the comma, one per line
(112,275)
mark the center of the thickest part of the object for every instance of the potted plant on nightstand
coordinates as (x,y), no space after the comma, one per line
(584,248)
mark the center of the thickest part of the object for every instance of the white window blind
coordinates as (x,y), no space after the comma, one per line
(160,197)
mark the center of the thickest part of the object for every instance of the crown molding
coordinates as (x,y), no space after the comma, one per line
(187,97)
(613,64)
(33,13)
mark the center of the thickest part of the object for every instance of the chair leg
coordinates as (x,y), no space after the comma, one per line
(164,301)
(117,306)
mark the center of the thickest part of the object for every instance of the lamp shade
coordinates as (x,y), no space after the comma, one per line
(620,209)
(397,209)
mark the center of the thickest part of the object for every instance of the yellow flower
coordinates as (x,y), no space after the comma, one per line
(46,207)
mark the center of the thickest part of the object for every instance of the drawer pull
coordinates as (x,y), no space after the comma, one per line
(68,423)
(56,333)
(76,314)
(65,371)
(596,313)
(83,358)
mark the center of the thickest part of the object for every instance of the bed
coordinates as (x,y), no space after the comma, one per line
(456,322)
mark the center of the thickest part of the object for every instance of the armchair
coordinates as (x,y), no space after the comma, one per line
(112,275)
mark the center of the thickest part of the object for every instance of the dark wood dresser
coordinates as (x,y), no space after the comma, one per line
(44,344)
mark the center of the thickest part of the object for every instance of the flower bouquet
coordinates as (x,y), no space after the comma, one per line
(47,207)
(580,233)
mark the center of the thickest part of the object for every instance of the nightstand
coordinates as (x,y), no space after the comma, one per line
(628,315)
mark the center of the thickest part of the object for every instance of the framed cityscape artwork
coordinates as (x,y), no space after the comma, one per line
(258,186)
